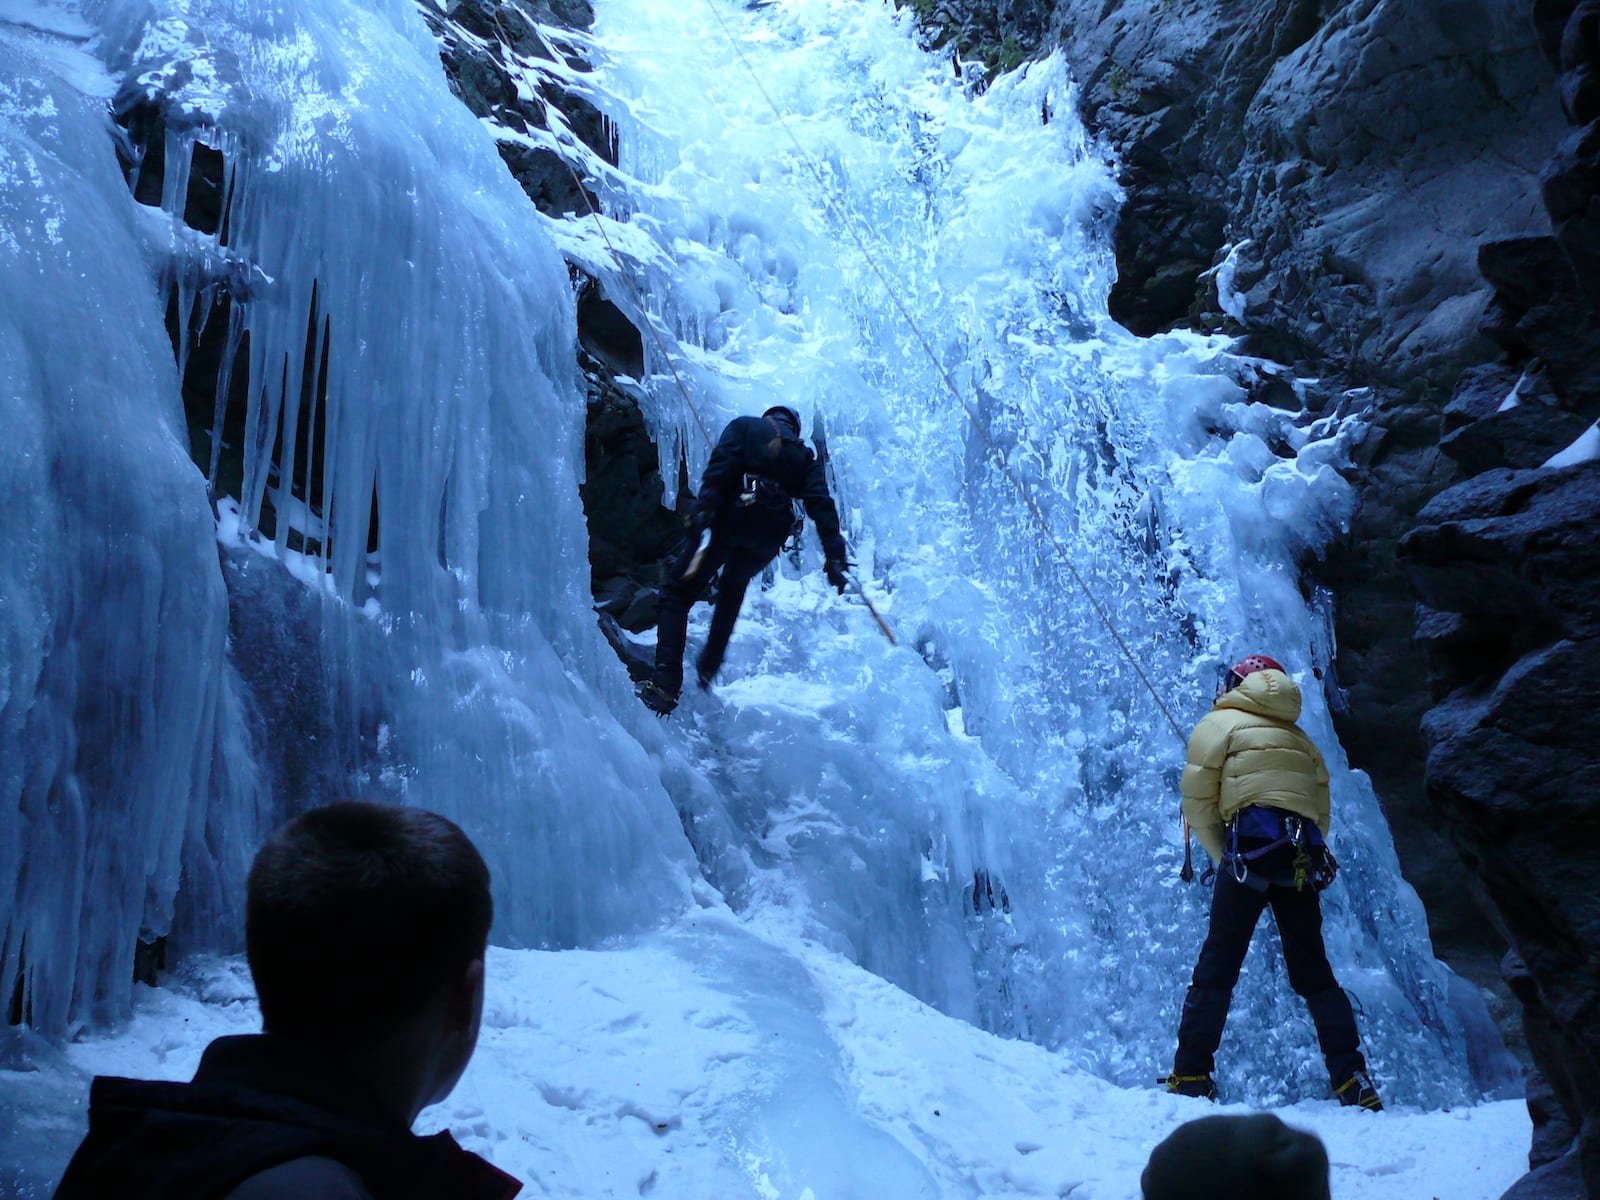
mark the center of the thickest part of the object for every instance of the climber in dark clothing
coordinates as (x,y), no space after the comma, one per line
(366,928)
(742,517)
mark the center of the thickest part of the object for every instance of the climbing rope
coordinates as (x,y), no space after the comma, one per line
(844,219)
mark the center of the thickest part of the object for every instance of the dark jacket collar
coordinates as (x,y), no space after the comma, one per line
(255,1102)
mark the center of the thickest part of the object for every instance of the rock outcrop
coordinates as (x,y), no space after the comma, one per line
(1508,568)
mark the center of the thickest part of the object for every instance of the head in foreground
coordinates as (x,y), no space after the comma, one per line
(1254,1157)
(366,927)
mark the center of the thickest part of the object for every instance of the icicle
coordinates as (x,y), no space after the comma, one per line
(237,323)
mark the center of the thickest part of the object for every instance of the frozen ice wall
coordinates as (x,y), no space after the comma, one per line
(410,434)
(413,436)
(824,216)
(112,610)
(983,813)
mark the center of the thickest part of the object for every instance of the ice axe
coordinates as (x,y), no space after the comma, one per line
(862,592)
(819,438)
(699,555)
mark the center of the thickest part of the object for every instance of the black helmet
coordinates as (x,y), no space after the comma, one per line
(782,412)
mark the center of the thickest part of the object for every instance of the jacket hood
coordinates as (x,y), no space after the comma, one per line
(1266,693)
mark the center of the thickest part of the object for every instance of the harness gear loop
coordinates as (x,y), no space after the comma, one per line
(1318,871)
(760,489)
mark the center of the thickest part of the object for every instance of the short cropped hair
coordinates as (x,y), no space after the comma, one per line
(356,915)
(1255,1157)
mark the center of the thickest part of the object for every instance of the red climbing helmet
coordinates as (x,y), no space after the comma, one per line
(1256,662)
(1229,678)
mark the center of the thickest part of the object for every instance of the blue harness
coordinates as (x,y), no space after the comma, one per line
(1267,830)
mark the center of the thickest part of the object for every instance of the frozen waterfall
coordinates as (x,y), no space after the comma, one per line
(388,596)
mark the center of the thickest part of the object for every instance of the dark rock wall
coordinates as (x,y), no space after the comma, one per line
(1507,564)
(485,44)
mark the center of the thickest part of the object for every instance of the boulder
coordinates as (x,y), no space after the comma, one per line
(1519,546)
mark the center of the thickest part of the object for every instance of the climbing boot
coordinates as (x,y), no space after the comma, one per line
(656,698)
(1201,1087)
(1359,1092)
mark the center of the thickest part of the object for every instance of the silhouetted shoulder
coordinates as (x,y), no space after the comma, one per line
(301,1179)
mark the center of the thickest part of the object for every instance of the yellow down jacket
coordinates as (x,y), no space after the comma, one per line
(1248,750)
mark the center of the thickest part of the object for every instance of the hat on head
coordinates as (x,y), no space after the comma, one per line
(782,412)
(1254,1157)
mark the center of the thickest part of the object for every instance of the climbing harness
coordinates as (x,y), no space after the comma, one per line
(1312,863)
(766,492)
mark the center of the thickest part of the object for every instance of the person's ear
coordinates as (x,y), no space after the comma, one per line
(466,1009)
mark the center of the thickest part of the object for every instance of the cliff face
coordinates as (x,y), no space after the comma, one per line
(1355,188)
(1508,568)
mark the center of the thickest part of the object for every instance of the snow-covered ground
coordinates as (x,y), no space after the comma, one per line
(718,1059)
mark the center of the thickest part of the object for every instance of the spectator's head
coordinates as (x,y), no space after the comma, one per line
(1237,1158)
(366,927)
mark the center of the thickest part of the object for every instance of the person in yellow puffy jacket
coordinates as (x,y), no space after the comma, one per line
(1255,793)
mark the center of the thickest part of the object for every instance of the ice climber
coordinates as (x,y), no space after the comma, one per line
(365,927)
(743,515)
(1255,792)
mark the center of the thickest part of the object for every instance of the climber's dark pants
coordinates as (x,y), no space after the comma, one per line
(740,562)
(1235,909)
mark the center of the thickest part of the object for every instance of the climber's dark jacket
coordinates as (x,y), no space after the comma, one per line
(255,1104)
(764,447)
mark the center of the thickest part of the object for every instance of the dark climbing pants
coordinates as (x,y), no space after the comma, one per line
(1235,909)
(740,562)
